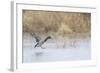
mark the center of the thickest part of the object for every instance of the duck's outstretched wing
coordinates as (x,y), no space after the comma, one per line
(37,38)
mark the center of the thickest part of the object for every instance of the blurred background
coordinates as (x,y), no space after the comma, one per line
(57,24)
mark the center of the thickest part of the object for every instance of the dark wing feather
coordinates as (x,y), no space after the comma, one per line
(37,38)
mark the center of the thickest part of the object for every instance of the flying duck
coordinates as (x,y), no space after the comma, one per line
(40,42)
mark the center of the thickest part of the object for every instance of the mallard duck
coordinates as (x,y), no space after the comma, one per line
(40,42)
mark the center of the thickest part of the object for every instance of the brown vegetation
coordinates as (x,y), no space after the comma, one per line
(56,23)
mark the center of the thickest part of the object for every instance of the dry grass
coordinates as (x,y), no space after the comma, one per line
(56,23)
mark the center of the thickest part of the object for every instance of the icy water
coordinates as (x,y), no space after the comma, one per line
(80,50)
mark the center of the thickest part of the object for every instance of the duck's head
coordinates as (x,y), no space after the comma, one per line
(49,37)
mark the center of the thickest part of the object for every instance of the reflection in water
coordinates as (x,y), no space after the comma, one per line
(77,51)
(38,54)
